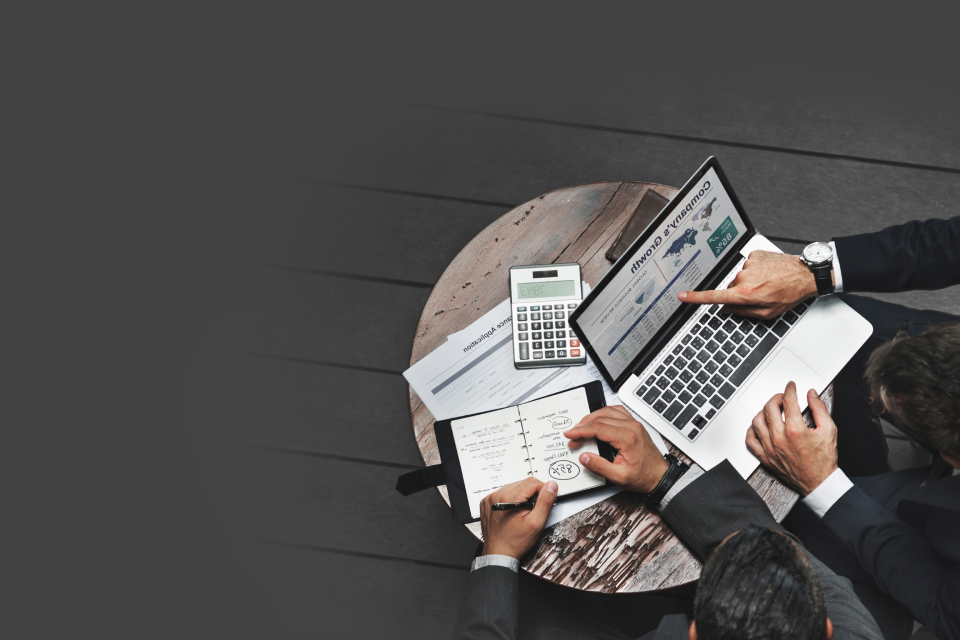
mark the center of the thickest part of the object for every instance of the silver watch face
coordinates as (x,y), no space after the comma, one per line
(817,253)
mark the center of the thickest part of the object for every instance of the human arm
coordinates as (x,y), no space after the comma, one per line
(704,511)
(901,560)
(768,284)
(910,256)
(489,609)
(895,554)
(721,502)
(915,255)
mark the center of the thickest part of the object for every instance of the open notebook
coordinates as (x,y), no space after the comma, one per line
(486,451)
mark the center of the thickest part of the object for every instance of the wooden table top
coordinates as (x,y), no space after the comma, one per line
(618,545)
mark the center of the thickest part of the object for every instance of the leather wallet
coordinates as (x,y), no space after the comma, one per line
(647,209)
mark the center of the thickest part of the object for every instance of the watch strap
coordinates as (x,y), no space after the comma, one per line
(674,473)
(823,276)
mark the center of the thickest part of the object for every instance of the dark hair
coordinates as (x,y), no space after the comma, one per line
(919,379)
(758,584)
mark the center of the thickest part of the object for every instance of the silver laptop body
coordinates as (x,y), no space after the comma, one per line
(696,375)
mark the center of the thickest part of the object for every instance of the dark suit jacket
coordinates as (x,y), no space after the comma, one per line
(915,255)
(907,538)
(910,545)
(715,505)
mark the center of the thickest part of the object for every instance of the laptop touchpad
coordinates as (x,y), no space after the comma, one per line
(773,379)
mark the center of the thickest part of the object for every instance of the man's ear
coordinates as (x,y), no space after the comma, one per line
(952,459)
(693,630)
(828,632)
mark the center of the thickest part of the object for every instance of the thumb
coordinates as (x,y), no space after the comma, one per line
(821,416)
(545,499)
(603,467)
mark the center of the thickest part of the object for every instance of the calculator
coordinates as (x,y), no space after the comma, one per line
(542,297)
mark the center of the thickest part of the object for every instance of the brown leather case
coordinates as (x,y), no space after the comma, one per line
(647,209)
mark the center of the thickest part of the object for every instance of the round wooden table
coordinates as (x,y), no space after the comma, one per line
(618,545)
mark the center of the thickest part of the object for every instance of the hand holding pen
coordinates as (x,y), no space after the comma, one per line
(513,526)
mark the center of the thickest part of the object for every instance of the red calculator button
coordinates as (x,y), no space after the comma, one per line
(574,352)
(574,343)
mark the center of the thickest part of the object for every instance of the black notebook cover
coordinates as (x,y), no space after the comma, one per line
(451,460)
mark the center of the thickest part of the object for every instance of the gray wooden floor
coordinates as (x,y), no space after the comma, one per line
(298,406)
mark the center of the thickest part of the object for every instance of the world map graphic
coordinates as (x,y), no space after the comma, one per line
(689,237)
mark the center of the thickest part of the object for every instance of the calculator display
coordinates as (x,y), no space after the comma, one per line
(553,289)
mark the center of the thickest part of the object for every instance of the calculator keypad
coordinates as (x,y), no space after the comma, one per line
(547,338)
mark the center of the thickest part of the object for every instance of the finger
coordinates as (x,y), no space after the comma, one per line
(519,491)
(718,296)
(791,403)
(616,474)
(545,499)
(526,489)
(762,433)
(821,415)
(597,429)
(754,446)
(773,414)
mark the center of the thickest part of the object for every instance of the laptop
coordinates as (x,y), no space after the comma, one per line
(696,375)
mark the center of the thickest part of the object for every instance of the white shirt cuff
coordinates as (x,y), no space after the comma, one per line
(837,276)
(495,561)
(694,472)
(826,495)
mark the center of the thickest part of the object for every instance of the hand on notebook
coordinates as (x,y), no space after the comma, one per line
(639,466)
(769,284)
(513,533)
(801,457)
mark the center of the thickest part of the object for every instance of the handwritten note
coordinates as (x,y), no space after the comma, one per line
(511,444)
(544,422)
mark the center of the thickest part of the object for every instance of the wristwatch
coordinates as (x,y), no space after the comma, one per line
(676,469)
(818,256)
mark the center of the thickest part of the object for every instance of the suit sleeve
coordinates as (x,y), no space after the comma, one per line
(490,605)
(906,257)
(901,561)
(719,503)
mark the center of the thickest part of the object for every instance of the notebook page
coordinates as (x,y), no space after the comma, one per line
(544,422)
(492,453)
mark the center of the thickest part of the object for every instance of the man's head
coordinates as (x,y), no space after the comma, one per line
(918,380)
(759,584)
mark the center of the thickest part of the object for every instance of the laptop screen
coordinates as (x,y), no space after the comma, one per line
(678,255)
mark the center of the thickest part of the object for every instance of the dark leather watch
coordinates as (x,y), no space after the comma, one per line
(676,470)
(818,256)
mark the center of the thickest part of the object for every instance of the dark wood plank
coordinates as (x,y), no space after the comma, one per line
(331,596)
(466,155)
(305,407)
(384,235)
(299,499)
(321,318)
(792,106)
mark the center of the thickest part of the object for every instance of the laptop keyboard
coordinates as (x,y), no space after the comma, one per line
(709,363)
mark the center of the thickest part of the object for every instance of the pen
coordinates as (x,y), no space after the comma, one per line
(504,506)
